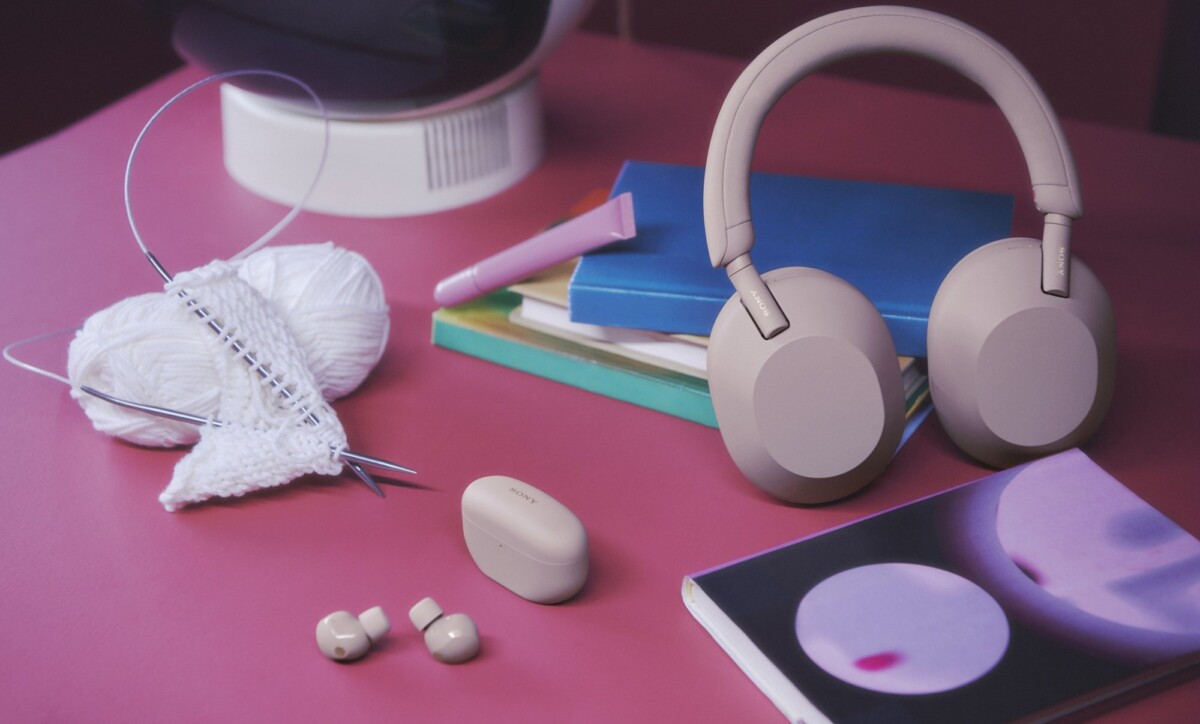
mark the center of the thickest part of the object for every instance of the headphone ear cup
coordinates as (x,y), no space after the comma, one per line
(1016,373)
(816,412)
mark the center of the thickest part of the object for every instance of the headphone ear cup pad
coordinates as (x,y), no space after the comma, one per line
(1016,373)
(816,412)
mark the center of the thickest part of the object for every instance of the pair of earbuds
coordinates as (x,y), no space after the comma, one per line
(451,639)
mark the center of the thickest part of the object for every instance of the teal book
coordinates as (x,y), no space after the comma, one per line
(894,242)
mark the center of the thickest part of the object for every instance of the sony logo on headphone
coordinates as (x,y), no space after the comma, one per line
(1062,262)
(521,494)
(762,306)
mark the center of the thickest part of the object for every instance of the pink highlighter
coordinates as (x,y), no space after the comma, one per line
(612,221)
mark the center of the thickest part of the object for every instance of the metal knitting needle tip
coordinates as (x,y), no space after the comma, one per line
(354,460)
(364,476)
(350,456)
(158,267)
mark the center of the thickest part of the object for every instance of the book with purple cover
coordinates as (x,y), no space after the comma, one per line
(1035,592)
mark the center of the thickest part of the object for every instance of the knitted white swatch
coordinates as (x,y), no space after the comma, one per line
(265,439)
(149,349)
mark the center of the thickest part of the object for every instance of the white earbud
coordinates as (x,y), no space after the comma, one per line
(451,639)
(343,637)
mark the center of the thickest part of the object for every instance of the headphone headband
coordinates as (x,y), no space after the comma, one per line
(862,31)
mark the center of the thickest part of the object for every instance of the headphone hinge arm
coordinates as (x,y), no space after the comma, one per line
(1056,255)
(756,297)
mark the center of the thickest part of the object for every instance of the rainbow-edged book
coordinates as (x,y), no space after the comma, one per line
(894,242)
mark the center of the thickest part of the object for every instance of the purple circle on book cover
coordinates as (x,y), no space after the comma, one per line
(902,628)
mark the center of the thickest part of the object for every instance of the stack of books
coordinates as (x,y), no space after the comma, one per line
(529,333)
(630,321)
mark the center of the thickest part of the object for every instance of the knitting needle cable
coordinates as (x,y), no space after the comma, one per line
(287,219)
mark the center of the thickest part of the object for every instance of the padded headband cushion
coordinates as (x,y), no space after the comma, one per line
(863,31)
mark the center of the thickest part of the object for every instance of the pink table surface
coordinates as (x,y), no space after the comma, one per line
(115,610)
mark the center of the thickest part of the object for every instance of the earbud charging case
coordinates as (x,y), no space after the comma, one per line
(524,539)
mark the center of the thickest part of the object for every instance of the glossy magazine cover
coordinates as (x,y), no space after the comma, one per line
(1033,592)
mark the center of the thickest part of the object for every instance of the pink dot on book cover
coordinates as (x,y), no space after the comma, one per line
(880,662)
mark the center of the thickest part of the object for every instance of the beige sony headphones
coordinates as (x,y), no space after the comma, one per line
(803,372)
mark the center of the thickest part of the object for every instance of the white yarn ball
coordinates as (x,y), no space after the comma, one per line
(333,303)
(150,349)
(147,349)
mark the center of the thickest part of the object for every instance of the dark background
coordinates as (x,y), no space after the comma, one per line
(1129,64)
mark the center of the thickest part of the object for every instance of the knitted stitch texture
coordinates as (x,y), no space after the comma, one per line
(264,438)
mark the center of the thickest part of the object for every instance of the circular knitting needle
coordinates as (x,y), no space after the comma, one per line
(355,461)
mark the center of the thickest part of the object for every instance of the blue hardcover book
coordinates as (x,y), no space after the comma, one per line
(894,242)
